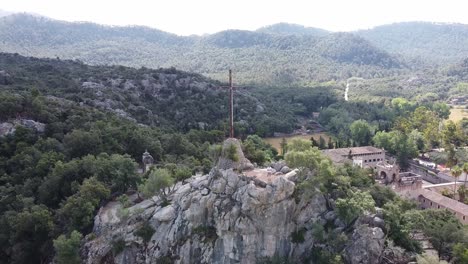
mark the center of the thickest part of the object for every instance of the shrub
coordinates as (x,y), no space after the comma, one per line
(118,245)
(232,153)
(67,249)
(145,232)
(298,236)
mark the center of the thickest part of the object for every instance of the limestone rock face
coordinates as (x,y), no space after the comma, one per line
(231,215)
(365,246)
(8,128)
(223,217)
(5,78)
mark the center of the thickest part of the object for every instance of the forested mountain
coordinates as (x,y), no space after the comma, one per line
(4,13)
(257,57)
(166,97)
(71,135)
(436,42)
(293,29)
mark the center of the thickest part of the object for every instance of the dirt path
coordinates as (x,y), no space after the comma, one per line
(346,91)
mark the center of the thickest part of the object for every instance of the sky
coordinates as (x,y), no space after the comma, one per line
(186,17)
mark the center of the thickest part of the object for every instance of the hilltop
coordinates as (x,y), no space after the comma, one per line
(258,57)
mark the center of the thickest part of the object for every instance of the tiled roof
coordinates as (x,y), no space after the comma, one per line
(340,155)
(444,201)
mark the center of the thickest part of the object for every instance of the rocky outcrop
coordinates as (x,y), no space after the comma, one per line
(365,246)
(8,128)
(223,217)
(5,78)
(231,215)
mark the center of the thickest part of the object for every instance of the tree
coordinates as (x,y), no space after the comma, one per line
(284,146)
(67,250)
(118,171)
(460,253)
(159,180)
(427,122)
(465,170)
(404,148)
(298,144)
(361,132)
(442,110)
(30,229)
(79,143)
(257,150)
(442,229)
(383,140)
(462,193)
(330,143)
(322,144)
(456,172)
(308,159)
(314,142)
(452,134)
(401,219)
(418,140)
(382,194)
(354,205)
(78,209)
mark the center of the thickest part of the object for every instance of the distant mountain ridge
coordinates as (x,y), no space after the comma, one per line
(4,13)
(436,42)
(279,54)
(293,29)
(255,56)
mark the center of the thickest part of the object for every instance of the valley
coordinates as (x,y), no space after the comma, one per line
(115,144)
(276,141)
(458,113)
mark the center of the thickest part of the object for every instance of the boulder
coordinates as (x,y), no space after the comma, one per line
(39,127)
(278,165)
(6,128)
(285,170)
(365,246)
(165,214)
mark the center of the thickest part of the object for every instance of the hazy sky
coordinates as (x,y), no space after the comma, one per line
(185,17)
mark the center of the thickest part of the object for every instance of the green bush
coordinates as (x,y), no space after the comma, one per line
(118,245)
(298,236)
(232,153)
(145,232)
(209,232)
(68,249)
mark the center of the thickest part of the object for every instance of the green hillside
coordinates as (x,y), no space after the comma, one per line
(257,57)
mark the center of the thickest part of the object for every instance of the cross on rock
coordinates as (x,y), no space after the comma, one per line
(231,105)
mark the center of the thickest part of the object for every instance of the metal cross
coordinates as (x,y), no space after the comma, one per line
(231,105)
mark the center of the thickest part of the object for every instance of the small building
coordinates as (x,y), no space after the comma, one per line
(364,157)
(388,173)
(432,199)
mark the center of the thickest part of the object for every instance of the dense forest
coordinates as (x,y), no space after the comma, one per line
(257,57)
(436,42)
(78,133)
(75,122)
